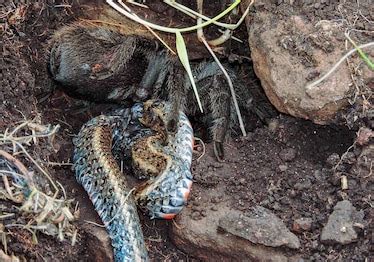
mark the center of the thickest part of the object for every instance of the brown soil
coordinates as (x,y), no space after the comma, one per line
(285,169)
(307,188)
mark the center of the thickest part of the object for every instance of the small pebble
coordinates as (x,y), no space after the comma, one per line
(196,215)
(214,200)
(288,154)
(293,193)
(282,168)
(302,224)
(273,125)
(276,206)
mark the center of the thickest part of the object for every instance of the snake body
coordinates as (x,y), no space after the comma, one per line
(96,169)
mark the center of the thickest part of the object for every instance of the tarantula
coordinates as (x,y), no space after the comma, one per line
(100,64)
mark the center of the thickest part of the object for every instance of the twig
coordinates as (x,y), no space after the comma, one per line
(227,34)
(317,82)
(196,15)
(12,173)
(15,162)
(361,53)
(4,240)
(176,225)
(203,144)
(9,190)
(5,216)
(136,3)
(119,209)
(74,237)
(45,210)
(232,37)
(39,167)
(344,182)
(94,223)
(64,6)
(342,157)
(201,37)
(125,11)
(58,164)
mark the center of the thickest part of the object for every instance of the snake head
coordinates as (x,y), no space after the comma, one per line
(158,115)
(154,115)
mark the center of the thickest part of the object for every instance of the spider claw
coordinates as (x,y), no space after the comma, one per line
(218,151)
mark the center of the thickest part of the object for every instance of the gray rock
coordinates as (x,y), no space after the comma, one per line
(283,168)
(288,154)
(207,240)
(340,225)
(305,184)
(260,226)
(317,175)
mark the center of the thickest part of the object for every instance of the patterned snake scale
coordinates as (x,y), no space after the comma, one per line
(96,168)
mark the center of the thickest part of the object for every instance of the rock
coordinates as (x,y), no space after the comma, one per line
(273,125)
(283,168)
(288,154)
(304,184)
(302,224)
(317,175)
(364,135)
(340,225)
(260,226)
(98,244)
(364,165)
(208,240)
(289,52)
(196,215)
(214,208)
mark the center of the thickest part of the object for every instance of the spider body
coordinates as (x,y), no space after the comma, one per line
(101,64)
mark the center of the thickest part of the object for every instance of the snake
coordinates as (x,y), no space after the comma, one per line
(137,133)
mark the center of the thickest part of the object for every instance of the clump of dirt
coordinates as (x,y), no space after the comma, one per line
(289,156)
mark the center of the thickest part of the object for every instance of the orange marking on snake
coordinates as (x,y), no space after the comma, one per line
(168,216)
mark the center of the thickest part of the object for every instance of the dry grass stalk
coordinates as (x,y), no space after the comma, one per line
(39,211)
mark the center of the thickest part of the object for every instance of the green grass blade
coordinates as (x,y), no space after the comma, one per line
(214,19)
(362,54)
(183,57)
